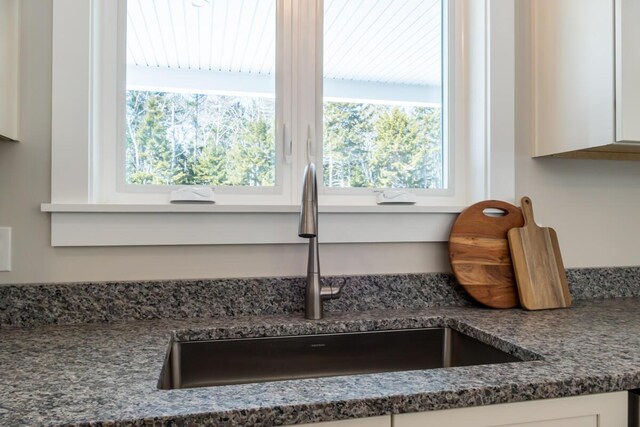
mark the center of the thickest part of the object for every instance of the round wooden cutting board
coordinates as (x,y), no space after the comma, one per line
(479,253)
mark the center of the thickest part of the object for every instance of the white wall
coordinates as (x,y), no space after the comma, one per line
(593,205)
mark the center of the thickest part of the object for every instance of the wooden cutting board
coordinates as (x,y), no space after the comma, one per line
(479,253)
(542,281)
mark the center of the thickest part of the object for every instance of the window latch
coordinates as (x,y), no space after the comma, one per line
(310,148)
(287,145)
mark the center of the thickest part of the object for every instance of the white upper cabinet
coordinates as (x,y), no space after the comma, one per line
(586,78)
(627,70)
(9,68)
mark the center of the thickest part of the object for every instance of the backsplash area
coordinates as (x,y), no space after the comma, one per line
(73,303)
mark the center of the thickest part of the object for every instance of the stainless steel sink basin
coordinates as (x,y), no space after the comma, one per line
(239,361)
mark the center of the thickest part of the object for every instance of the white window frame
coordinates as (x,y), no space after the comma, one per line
(306,45)
(483,108)
(109,140)
(452,93)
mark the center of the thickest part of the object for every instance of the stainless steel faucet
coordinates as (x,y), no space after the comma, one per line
(308,228)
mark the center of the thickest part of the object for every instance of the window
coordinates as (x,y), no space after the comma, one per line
(207,98)
(378,93)
(201,102)
(382,100)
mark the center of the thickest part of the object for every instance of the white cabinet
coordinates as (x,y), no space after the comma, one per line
(627,14)
(597,410)
(600,410)
(384,421)
(9,68)
(586,78)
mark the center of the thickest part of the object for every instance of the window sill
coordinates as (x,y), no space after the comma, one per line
(216,208)
(167,224)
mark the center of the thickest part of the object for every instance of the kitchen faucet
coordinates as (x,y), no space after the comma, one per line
(308,229)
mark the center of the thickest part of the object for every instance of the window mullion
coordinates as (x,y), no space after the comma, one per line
(285,87)
(318,85)
(306,72)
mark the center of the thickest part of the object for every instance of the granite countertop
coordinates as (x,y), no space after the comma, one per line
(107,374)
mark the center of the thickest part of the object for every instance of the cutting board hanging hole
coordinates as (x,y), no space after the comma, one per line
(495,212)
(527,211)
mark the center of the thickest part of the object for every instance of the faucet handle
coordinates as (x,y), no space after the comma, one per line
(332,291)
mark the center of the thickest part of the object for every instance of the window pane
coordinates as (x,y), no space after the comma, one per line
(383,94)
(201,92)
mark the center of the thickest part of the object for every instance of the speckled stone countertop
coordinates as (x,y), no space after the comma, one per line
(107,374)
(75,303)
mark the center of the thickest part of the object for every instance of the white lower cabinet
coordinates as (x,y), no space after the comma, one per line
(598,410)
(384,421)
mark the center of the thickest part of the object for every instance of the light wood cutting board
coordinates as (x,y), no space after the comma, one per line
(540,274)
(479,253)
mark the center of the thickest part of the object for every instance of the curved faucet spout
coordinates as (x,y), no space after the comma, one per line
(308,228)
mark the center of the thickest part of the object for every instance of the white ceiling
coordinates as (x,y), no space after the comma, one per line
(394,41)
(382,41)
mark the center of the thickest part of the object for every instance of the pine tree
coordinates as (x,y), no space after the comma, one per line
(430,133)
(253,157)
(348,134)
(154,152)
(398,150)
(180,139)
(210,168)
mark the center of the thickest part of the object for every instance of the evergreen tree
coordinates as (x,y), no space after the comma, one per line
(348,134)
(181,139)
(253,157)
(151,136)
(398,151)
(210,168)
(429,123)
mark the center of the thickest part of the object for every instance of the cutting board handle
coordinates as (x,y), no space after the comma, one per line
(527,212)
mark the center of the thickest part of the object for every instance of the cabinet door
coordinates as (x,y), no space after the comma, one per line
(384,421)
(627,70)
(600,410)
(9,71)
(573,75)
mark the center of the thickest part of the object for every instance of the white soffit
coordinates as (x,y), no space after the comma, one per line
(366,41)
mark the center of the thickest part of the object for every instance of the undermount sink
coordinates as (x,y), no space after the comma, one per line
(251,360)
